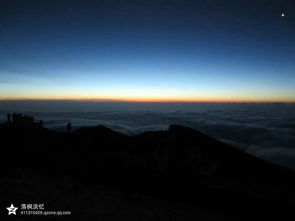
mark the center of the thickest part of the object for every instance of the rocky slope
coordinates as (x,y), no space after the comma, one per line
(180,165)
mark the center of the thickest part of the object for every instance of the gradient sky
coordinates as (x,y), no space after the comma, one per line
(148,50)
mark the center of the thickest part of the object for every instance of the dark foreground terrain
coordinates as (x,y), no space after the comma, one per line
(99,174)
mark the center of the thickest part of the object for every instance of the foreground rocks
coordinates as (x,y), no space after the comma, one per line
(180,165)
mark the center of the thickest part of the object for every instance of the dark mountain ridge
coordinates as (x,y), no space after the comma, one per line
(180,164)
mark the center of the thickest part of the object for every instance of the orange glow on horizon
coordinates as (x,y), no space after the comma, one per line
(152,99)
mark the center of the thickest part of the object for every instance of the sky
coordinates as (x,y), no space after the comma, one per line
(148,50)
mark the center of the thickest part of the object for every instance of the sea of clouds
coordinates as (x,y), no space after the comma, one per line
(264,130)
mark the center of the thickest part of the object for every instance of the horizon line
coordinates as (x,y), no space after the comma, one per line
(146,100)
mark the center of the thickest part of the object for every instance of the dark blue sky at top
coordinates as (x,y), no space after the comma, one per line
(172,48)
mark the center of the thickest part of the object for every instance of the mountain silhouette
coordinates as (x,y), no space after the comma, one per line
(178,165)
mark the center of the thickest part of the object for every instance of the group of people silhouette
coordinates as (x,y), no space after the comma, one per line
(20,119)
(28,121)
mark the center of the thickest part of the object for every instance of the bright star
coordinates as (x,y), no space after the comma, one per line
(11,209)
(283,15)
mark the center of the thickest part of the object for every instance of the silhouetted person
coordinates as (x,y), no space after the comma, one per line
(8,118)
(15,118)
(41,123)
(69,127)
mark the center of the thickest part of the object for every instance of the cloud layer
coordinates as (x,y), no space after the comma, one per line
(267,131)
